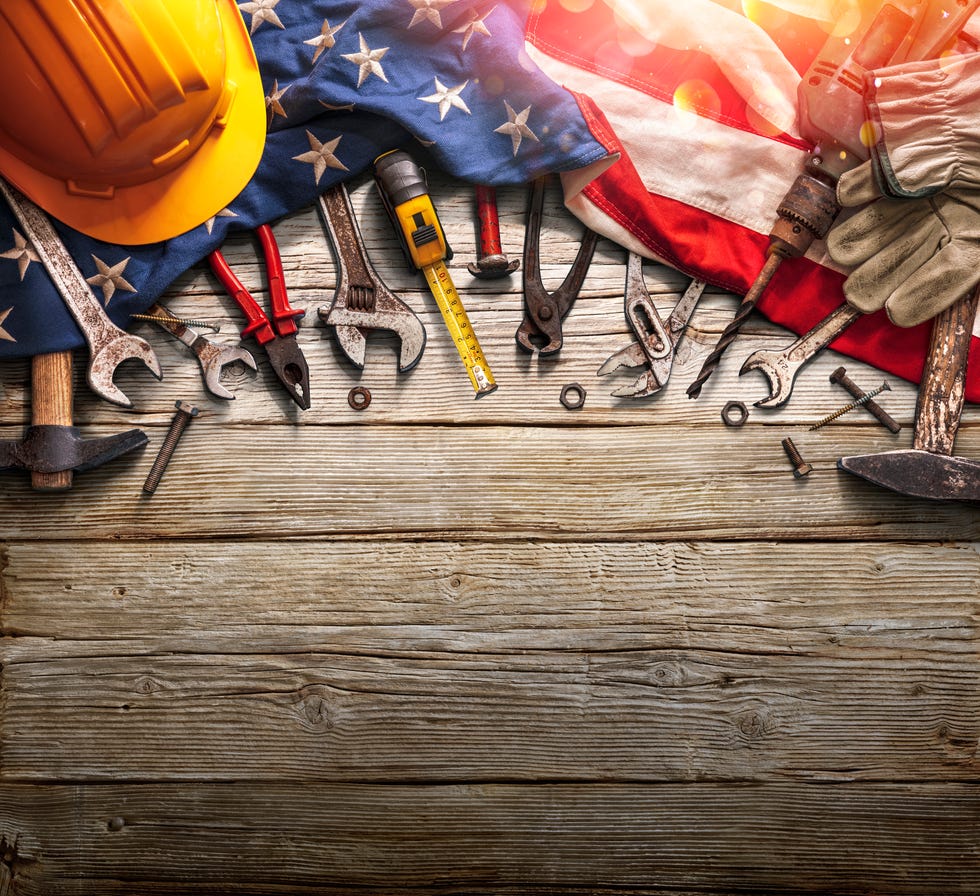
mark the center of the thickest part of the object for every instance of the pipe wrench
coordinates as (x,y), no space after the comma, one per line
(655,339)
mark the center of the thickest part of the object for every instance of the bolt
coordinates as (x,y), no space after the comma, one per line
(840,377)
(185,413)
(800,467)
(864,398)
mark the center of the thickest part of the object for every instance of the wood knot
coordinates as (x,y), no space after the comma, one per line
(314,708)
(755,724)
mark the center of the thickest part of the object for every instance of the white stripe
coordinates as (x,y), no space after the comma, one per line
(737,175)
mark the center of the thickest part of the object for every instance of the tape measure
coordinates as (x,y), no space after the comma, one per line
(403,190)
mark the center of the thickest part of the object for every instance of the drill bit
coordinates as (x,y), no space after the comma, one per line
(805,214)
(732,330)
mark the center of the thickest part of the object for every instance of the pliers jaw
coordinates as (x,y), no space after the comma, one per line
(290,365)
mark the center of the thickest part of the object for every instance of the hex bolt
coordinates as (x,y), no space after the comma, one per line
(839,376)
(800,467)
(185,413)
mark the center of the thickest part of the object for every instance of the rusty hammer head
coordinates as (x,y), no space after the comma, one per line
(52,449)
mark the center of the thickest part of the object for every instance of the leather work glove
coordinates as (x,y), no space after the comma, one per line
(912,257)
(926,123)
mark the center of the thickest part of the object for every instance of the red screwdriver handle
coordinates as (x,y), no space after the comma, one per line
(258,324)
(283,314)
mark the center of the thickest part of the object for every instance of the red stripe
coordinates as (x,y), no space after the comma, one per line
(729,256)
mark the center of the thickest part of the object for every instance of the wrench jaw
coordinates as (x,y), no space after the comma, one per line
(211,368)
(103,364)
(777,371)
(353,327)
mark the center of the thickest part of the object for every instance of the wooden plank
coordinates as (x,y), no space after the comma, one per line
(488,482)
(443,662)
(493,838)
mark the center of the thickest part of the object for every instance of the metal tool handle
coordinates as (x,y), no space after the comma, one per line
(51,405)
(357,282)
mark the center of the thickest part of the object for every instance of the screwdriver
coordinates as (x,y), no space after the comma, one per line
(833,121)
(405,194)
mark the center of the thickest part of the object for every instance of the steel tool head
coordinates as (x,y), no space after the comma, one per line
(778,370)
(352,326)
(109,355)
(214,359)
(919,474)
(53,449)
(290,366)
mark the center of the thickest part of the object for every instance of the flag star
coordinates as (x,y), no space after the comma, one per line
(428,10)
(261,11)
(3,333)
(476,23)
(368,60)
(109,279)
(516,127)
(447,97)
(325,39)
(224,213)
(321,156)
(272,101)
(23,251)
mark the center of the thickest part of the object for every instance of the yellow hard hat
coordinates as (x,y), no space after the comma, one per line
(130,120)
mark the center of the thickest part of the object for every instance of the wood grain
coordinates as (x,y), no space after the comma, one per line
(444,646)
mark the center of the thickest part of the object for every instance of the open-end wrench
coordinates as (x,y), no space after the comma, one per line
(362,302)
(781,367)
(212,356)
(108,345)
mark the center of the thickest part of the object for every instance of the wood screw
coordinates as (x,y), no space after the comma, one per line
(185,413)
(800,467)
(864,398)
(840,377)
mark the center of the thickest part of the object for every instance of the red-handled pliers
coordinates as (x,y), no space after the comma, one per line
(275,333)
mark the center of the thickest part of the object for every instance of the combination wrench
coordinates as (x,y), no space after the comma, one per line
(781,367)
(108,345)
(212,356)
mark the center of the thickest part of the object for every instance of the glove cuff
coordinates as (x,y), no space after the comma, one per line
(926,117)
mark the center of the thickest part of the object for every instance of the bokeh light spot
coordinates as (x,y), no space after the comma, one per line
(576,5)
(869,133)
(697,96)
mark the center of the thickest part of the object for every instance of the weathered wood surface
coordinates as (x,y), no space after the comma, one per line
(456,646)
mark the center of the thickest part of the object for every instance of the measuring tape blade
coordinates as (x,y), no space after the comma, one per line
(458,324)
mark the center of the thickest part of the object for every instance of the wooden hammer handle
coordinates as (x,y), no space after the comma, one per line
(51,405)
(943,388)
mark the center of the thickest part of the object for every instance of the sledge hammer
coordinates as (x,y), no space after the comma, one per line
(929,469)
(52,450)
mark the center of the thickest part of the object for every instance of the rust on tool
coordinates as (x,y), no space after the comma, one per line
(929,469)
(362,302)
(540,330)
(52,450)
(492,262)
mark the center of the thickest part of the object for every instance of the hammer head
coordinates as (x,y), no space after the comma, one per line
(56,449)
(919,474)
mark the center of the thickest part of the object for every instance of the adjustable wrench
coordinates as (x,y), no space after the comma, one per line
(781,367)
(362,302)
(212,356)
(108,345)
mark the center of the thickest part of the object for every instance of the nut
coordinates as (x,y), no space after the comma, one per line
(735,413)
(572,396)
(359,398)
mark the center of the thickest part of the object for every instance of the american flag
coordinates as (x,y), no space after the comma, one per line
(697,98)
